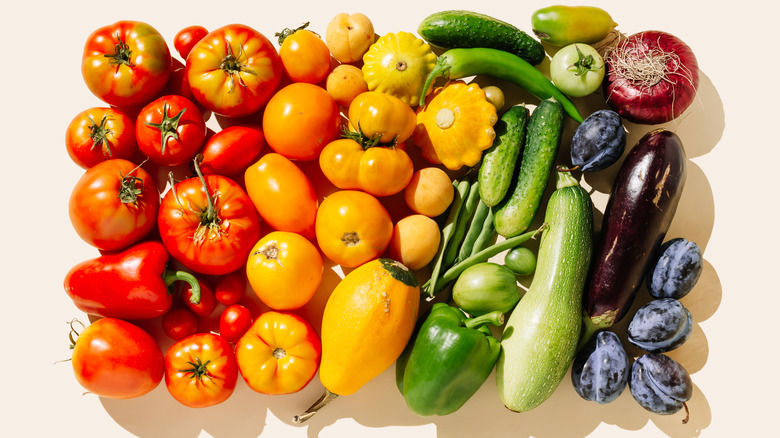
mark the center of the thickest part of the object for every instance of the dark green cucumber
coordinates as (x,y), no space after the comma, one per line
(543,137)
(499,161)
(540,337)
(466,29)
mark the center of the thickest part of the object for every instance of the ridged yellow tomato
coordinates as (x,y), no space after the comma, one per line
(380,171)
(381,117)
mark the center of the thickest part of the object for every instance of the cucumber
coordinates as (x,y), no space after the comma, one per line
(499,161)
(515,213)
(466,29)
(540,337)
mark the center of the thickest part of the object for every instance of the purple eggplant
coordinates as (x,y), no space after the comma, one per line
(640,208)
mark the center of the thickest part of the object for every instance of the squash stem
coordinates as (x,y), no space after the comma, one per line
(326,398)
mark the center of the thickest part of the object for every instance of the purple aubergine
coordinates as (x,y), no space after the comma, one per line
(675,269)
(640,208)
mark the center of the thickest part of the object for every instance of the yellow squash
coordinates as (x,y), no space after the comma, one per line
(398,64)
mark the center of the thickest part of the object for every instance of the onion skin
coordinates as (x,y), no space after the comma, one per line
(659,103)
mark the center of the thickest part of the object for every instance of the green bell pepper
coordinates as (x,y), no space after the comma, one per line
(449,359)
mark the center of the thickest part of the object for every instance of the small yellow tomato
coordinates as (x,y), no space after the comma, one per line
(348,36)
(378,114)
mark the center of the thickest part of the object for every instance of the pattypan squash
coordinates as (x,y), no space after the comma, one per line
(455,125)
(398,64)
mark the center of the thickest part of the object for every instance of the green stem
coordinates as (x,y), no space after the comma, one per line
(441,68)
(170,277)
(495,317)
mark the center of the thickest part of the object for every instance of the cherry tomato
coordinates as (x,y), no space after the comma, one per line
(100,134)
(126,63)
(300,119)
(114,204)
(285,270)
(230,151)
(282,194)
(352,227)
(170,130)
(203,304)
(116,359)
(234,321)
(208,224)
(305,56)
(201,370)
(231,287)
(179,322)
(279,354)
(186,38)
(234,70)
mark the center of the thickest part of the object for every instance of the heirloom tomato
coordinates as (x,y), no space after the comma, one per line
(300,119)
(99,134)
(381,118)
(279,354)
(234,70)
(116,359)
(170,130)
(282,194)
(186,38)
(352,227)
(114,204)
(179,322)
(201,370)
(230,151)
(234,321)
(208,223)
(126,63)
(378,170)
(305,57)
(284,270)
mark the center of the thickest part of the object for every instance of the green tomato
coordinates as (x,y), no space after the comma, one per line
(485,287)
(521,260)
(577,70)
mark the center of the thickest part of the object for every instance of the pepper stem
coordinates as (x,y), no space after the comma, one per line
(441,68)
(326,398)
(495,317)
(170,277)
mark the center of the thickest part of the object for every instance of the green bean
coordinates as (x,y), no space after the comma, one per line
(474,230)
(447,231)
(487,235)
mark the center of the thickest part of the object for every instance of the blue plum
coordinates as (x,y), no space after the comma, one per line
(675,269)
(600,370)
(599,141)
(660,326)
(660,384)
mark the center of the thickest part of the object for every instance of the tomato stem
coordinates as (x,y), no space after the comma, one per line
(121,55)
(287,32)
(99,134)
(232,65)
(168,126)
(199,369)
(129,190)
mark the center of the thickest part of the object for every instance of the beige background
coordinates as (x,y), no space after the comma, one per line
(728,208)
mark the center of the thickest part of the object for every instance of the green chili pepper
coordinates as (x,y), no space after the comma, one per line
(462,63)
(450,359)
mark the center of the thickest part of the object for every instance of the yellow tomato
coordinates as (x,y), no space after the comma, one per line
(374,113)
(379,170)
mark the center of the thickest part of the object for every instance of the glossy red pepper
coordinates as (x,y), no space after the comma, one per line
(131,284)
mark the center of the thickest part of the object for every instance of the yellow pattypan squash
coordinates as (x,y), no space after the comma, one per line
(398,64)
(455,125)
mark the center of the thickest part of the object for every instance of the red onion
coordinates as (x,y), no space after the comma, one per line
(652,77)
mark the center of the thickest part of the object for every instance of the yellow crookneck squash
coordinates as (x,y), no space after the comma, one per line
(456,125)
(398,64)
(367,322)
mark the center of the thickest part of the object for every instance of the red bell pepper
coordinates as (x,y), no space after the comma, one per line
(131,284)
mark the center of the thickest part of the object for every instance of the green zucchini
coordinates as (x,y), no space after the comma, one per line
(515,213)
(498,162)
(466,29)
(540,337)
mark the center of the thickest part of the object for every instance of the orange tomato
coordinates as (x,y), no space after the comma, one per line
(300,119)
(282,194)
(352,227)
(285,270)
(305,57)
(379,170)
(279,354)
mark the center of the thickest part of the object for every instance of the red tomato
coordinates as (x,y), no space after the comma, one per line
(116,359)
(300,119)
(234,70)
(208,225)
(126,63)
(179,322)
(305,56)
(234,322)
(282,194)
(230,151)
(205,303)
(99,134)
(231,287)
(177,83)
(114,204)
(170,130)
(185,39)
(201,370)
